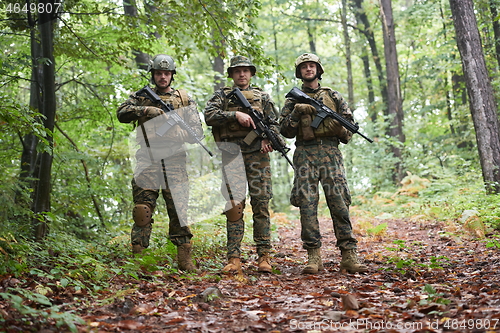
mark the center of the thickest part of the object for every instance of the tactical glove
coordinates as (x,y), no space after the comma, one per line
(177,134)
(335,128)
(152,111)
(304,109)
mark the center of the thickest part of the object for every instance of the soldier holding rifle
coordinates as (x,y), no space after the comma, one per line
(161,157)
(245,163)
(317,159)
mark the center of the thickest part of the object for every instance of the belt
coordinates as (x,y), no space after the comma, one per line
(318,141)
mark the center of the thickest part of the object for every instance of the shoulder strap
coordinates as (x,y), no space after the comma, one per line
(225,91)
(183,96)
(322,89)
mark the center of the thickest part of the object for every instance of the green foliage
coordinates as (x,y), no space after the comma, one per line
(377,230)
(434,296)
(407,259)
(493,242)
(41,309)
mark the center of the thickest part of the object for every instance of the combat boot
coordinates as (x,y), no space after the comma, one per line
(351,263)
(314,263)
(137,248)
(184,258)
(264,263)
(234,265)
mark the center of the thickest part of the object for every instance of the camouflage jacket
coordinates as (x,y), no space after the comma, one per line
(220,114)
(289,126)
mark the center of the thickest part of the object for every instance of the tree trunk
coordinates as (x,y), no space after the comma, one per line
(310,35)
(218,63)
(395,103)
(496,28)
(362,20)
(482,102)
(42,197)
(347,43)
(141,58)
(30,141)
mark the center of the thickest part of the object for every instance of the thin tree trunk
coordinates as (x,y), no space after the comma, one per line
(310,35)
(362,20)
(30,141)
(42,198)
(496,28)
(482,102)
(347,44)
(141,58)
(395,103)
(87,177)
(218,64)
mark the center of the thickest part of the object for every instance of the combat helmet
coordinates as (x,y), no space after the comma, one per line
(162,62)
(305,58)
(240,61)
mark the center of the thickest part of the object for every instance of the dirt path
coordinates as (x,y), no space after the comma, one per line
(462,296)
(422,278)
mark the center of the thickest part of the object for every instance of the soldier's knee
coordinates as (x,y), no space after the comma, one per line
(234,211)
(142,214)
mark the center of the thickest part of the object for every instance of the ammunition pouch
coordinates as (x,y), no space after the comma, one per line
(305,127)
(233,129)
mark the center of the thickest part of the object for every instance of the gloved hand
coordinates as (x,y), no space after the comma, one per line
(152,111)
(304,109)
(177,134)
(335,128)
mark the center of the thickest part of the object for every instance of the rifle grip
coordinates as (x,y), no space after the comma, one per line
(315,123)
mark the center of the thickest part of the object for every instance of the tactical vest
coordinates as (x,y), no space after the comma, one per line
(322,131)
(178,99)
(233,129)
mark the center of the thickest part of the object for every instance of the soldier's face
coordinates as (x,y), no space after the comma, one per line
(308,70)
(162,79)
(241,76)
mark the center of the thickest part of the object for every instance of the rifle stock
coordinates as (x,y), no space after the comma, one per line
(323,111)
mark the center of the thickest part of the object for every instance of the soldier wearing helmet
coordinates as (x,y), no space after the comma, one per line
(319,160)
(244,165)
(311,58)
(161,161)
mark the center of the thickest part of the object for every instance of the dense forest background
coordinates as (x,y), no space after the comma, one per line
(421,76)
(68,162)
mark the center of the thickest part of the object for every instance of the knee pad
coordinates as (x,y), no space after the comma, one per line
(234,211)
(142,215)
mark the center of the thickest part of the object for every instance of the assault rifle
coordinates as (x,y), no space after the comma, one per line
(262,126)
(323,112)
(172,119)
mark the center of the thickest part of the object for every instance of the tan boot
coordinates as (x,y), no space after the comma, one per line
(184,258)
(264,263)
(314,263)
(234,265)
(351,263)
(137,248)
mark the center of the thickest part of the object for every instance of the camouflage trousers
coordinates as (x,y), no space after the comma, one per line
(250,171)
(315,164)
(170,177)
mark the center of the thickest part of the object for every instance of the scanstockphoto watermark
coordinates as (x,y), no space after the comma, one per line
(327,324)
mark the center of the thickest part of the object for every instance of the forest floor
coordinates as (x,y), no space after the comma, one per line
(422,278)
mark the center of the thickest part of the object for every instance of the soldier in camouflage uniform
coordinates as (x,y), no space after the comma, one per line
(161,161)
(317,158)
(231,123)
